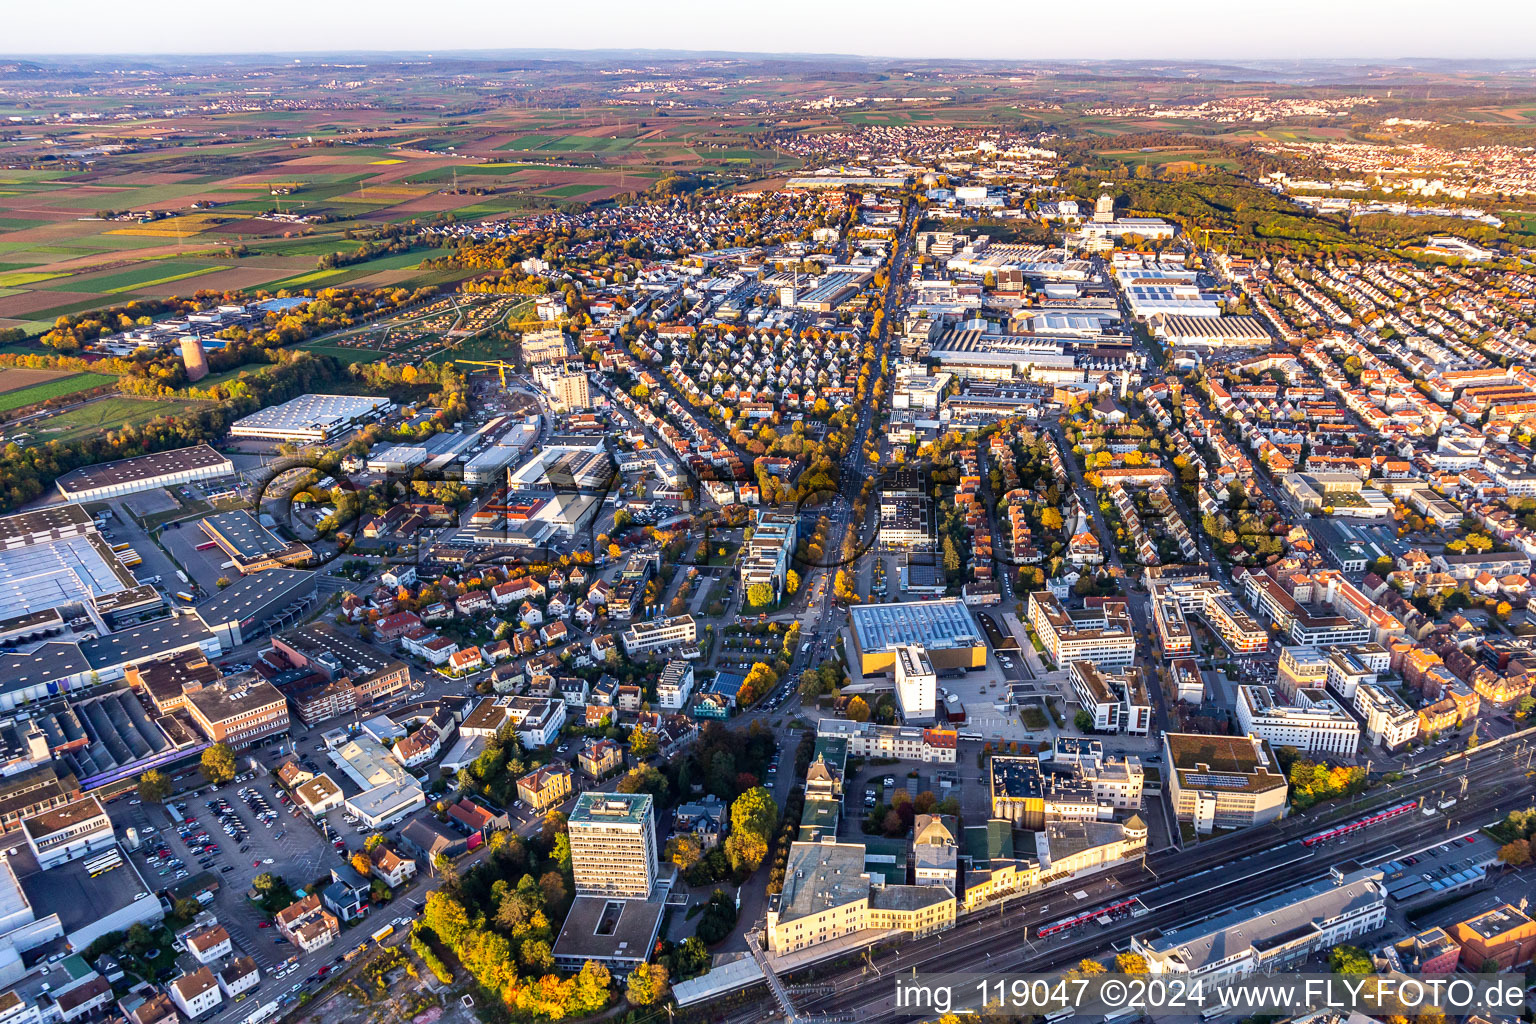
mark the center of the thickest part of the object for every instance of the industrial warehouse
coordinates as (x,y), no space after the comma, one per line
(310,418)
(943,628)
(144,473)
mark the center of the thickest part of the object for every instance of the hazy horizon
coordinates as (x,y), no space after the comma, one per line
(903,29)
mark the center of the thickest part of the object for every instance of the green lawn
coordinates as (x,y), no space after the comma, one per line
(52,389)
(111,413)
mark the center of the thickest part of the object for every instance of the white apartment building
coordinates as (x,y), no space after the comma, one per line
(1117,701)
(210,945)
(1389,722)
(916,685)
(196,993)
(902,742)
(675,685)
(1319,727)
(1091,635)
(655,633)
(613,845)
(78,829)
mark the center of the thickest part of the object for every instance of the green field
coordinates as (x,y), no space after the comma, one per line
(346,355)
(111,413)
(52,389)
(566,191)
(145,275)
(528,142)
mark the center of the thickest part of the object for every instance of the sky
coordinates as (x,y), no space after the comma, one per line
(1003,29)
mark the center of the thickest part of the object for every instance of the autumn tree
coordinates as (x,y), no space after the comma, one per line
(642,742)
(1130,963)
(153,786)
(1349,960)
(647,984)
(791,583)
(684,851)
(361,864)
(1516,854)
(218,763)
(858,710)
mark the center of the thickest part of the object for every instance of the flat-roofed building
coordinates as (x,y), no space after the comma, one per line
(1389,723)
(1301,668)
(1223,781)
(567,385)
(389,791)
(1272,934)
(239,710)
(544,347)
(1504,936)
(318,795)
(944,629)
(35,790)
(75,830)
(251,546)
(613,845)
(332,673)
(1174,598)
(766,555)
(1117,701)
(310,418)
(916,685)
(1018,791)
(1093,635)
(652,634)
(829,895)
(902,742)
(675,685)
(167,681)
(254,605)
(1318,726)
(144,473)
(1072,849)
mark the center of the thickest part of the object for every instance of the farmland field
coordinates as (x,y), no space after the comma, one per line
(56,387)
(16,378)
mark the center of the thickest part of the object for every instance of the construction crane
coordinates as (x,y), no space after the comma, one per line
(500,365)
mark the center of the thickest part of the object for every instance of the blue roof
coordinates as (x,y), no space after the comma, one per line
(727,684)
(279,305)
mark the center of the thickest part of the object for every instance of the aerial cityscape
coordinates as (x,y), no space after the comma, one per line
(667,535)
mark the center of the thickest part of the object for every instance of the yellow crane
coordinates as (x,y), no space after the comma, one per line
(500,365)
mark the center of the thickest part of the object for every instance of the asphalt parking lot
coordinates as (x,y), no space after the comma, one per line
(289,846)
(205,567)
